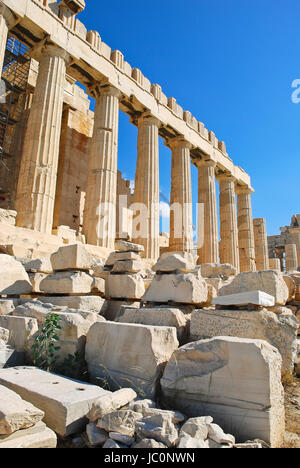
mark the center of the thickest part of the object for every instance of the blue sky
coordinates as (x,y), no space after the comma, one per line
(232,64)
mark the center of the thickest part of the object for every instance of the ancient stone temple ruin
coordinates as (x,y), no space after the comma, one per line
(113,335)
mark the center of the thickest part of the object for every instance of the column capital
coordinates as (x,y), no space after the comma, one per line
(244,190)
(51,50)
(76,6)
(206,163)
(149,119)
(178,142)
(99,89)
(7,15)
(226,177)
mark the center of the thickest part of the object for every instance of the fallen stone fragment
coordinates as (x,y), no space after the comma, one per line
(39,265)
(127,266)
(258,298)
(16,413)
(187,442)
(159,427)
(21,331)
(95,435)
(174,263)
(67,282)
(7,306)
(65,402)
(149,444)
(122,438)
(13,279)
(122,421)
(72,257)
(236,381)
(111,444)
(117,256)
(139,406)
(215,270)
(38,436)
(110,403)
(94,304)
(123,246)
(217,434)
(271,282)
(175,416)
(4,335)
(197,428)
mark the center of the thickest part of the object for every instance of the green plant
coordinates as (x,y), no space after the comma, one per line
(45,349)
(73,366)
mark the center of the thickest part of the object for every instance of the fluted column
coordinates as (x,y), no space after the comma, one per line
(229,244)
(181,215)
(99,224)
(291,257)
(245,227)
(208,244)
(38,170)
(146,193)
(261,244)
(6,22)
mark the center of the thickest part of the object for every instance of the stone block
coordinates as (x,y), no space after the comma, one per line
(163,317)
(271,282)
(14,279)
(289,281)
(123,246)
(278,330)
(67,282)
(236,381)
(127,266)
(119,256)
(16,413)
(174,263)
(38,436)
(182,288)
(129,355)
(7,306)
(116,308)
(72,257)
(216,270)
(125,286)
(257,298)
(93,304)
(65,402)
(21,331)
(38,265)
(110,403)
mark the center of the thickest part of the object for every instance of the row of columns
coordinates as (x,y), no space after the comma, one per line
(38,172)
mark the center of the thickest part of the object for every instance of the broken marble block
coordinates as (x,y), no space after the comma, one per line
(16,413)
(64,401)
(7,306)
(13,278)
(67,282)
(38,436)
(121,256)
(38,265)
(129,355)
(124,246)
(21,331)
(236,381)
(257,298)
(180,289)
(159,316)
(72,257)
(271,282)
(128,286)
(110,403)
(280,330)
(174,262)
(95,304)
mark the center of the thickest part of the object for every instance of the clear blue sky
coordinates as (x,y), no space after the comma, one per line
(232,64)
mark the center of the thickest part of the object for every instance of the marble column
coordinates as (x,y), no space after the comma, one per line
(261,244)
(275,264)
(99,225)
(245,227)
(291,257)
(208,236)
(181,215)
(38,170)
(6,22)
(146,192)
(229,245)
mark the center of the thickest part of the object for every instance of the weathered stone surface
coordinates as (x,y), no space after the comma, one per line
(175,416)
(36,279)
(116,308)
(122,438)
(234,380)
(215,270)
(289,281)
(21,330)
(39,265)
(122,421)
(258,298)
(139,406)
(270,282)
(98,286)
(123,246)
(7,306)
(67,282)
(38,436)
(129,355)
(118,256)
(14,279)
(127,266)
(164,317)
(95,435)
(4,335)
(110,403)
(149,444)
(8,216)
(72,257)
(217,434)
(187,442)
(197,428)
(183,288)
(174,262)
(278,330)
(65,402)
(159,427)
(16,413)
(94,304)
(111,444)
(125,286)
